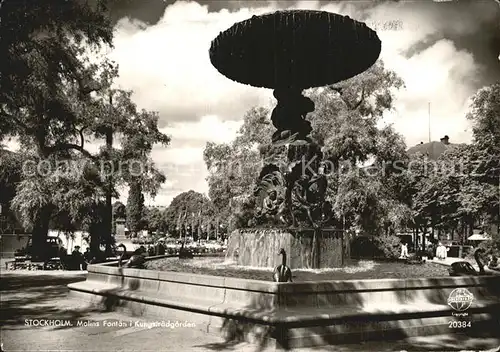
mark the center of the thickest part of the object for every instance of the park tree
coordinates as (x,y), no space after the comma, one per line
(10,176)
(467,190)
(137,132)
(135,208)
(41,46)
(155,220)
(460,190)
(460,195)
(485,118)
(189,208)
(425,181)
(345,124)
(234,167)
(54,100)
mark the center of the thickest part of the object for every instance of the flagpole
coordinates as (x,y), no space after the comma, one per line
(429,113)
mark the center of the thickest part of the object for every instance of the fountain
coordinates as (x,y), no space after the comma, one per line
(290,51)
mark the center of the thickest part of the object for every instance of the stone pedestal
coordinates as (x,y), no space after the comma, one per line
(120,231)
(260,247)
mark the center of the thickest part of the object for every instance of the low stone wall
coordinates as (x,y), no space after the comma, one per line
(292,314)
(259,247)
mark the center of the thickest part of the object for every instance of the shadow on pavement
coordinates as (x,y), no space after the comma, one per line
(37,297)
(477,341)
(12,282)
(222,346)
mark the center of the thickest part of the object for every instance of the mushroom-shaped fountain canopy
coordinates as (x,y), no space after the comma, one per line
(295,49)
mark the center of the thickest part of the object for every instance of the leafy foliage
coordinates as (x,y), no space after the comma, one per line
(54,100)
(155,220)
(189,209)
(389,245)
(135,208)
(43,48)
(460,190)
(234,168)
(10,176)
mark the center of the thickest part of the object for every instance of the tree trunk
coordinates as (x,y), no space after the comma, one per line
(40,234)
(95,241)
(470,227)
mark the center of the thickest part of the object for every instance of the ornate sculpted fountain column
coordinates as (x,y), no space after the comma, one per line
(290,51)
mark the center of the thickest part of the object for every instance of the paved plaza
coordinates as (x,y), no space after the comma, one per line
(29,298)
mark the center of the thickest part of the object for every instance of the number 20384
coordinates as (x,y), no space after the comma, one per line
(459,324)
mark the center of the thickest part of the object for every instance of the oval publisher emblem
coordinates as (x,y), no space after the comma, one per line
(460,299)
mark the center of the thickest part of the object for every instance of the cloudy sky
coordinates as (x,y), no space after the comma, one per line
(444,52)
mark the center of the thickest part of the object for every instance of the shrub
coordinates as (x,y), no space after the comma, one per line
(491,247)
(389,245)
(364,247)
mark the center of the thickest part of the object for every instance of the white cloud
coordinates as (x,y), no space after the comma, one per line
(208,128)
(168,66)
(442,76)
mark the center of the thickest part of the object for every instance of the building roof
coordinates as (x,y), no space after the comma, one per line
(432,149)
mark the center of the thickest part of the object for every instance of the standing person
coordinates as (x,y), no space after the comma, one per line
(441,251)
(493,264)
(151,250)
(430,251)
(86,258)
(161,248)
(86,254)
(77,259)
(404,251)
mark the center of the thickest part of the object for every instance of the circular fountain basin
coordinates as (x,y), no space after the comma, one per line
(322,307)
(356,270)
